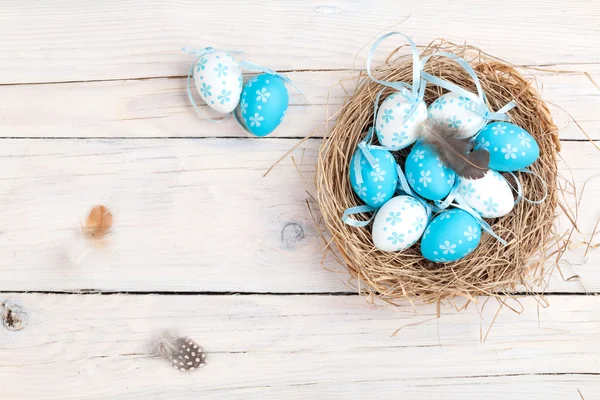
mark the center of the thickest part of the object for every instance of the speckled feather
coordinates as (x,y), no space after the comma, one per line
(182,353)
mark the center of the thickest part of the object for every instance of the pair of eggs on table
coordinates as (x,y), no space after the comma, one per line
(402,221)
(263,100)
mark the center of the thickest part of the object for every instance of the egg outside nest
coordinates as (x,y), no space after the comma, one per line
(263,104)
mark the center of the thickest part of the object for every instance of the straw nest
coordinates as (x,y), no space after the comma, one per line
(492,269)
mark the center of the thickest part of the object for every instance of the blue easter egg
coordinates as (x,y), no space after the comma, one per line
(511,147)
(264,104)
(379,183)
(427,175)
(450,236)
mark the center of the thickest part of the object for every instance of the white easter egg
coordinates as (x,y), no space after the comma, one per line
(490,196)
(218,79)
(455,111)
(392,128)
(399,223)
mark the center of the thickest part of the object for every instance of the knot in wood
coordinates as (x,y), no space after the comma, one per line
(291,234)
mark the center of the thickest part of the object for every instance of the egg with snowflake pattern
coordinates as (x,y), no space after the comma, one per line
(378,182)
(399,223)
(394,130)
(218,79)
(451,235)
(264,104)
(426,174)
(456,111)
(490,196)
(511,147)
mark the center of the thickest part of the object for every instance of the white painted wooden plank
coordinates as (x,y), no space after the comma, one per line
(48,41)
(190,215)
(272,347)
(160,107)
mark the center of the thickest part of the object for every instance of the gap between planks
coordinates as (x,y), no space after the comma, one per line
(196,138)
(92,292)
(282,71)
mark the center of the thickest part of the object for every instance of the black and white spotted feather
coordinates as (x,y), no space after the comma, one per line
(181,352)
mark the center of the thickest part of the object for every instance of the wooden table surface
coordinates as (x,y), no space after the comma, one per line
(93,110)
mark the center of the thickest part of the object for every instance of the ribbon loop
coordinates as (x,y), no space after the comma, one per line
(346,217)
(519,189)
(449,199)
(479,101)
(454,199)
(258,68)
(462,204)
(364,146)
(399,86)
(404,187)
(412,93)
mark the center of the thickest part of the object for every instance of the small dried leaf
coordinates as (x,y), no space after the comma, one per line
(98,223)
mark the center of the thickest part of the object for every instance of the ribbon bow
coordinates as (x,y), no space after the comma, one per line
(258,68)
(478,101)
(412,93)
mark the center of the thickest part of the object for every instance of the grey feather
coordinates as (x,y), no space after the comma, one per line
(456,151)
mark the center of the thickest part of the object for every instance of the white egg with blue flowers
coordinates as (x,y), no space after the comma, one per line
(399,224)
(457,111)
(394,127)
(218,79)
(490,196)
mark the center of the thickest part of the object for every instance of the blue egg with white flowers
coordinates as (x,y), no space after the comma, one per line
(511,147)
(450,236)
(427,175)
(374,185)
(263,104)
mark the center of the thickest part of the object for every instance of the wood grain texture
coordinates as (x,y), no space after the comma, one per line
(160,107)
(93,110)
(273,347)
(192,215)
(74,40)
